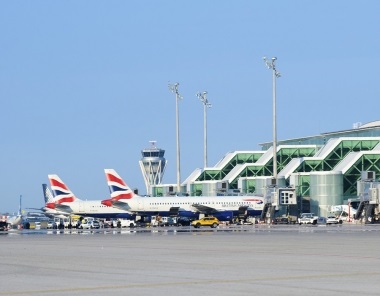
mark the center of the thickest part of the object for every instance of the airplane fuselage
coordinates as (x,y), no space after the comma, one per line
(96,209)
(14,220)
(222,207)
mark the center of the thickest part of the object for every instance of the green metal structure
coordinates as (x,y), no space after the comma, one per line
(349,152)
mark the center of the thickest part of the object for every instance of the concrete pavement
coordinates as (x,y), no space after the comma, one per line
(264,260)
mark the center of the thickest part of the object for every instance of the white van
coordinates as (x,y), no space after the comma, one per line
(120,223)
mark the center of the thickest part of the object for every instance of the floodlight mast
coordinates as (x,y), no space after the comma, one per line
(174,89)
(275,74)
(202,97)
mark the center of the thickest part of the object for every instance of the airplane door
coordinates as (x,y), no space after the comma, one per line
(141,204)
(81,208)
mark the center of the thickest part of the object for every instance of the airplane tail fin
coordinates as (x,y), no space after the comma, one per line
(48,196)
(118,188)
(62,193)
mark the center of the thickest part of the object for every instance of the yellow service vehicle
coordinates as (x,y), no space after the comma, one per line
(206,221)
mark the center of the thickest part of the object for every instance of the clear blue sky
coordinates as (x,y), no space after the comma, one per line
(83,84)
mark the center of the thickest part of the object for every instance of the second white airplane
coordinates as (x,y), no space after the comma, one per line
(66,202)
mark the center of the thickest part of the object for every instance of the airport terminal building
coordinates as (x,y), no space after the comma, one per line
(323,169)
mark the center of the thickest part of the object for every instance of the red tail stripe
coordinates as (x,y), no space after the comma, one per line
(123,196)
(54,182)
(113,178)
(107,202)
(50,205)
(66,199)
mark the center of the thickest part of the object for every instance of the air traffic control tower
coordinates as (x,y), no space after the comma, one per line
(152,164)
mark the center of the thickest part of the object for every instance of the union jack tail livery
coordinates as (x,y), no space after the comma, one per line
(62,193)
(118,188)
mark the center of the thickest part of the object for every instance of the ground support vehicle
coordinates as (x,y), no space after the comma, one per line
(3,226)
(183,221)
(281,220)
(88,223)
(308,218)
(142,224)
(59,223)
(146,221)
(206,221)
(247,221)
(289,219)
(154,220)
(122,223)
(50,224)
(167,221)
(67,222)
(292,219)
(333,220)
(3,223)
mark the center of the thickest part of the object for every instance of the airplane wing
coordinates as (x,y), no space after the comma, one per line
(205,209)
(37,209)
(210,210)
(63,208)
(121,205)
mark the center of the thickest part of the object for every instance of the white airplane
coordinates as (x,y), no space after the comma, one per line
(225,208)
(66,202)
(15,220)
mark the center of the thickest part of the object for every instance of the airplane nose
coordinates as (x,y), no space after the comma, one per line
(107,202)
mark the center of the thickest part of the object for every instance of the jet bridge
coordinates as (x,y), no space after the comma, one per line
(275,198)
(369,194)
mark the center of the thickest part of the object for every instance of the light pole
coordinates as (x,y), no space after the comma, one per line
(272,65)
(206,104)
(174,88)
